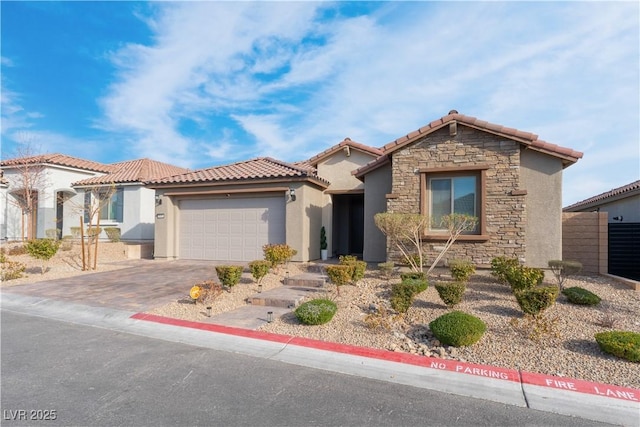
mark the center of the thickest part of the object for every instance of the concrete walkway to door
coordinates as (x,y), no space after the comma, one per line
(144,285)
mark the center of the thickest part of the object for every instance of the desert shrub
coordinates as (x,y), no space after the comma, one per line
(10,270)
(93,231)
(17,250)
(259,269)
(113,233)
(66,244)
(52,233)
(229,275)
(43,250)
(578,295)
(458,329)
(75,232)
(380,320)
(209,291)
(461,270)
(278,254)
(563,269)
(521,278)
(357,267)
(316,312)
(386,269)
(537,327)
(451,293)
(419,285)
(419,275)
(535,300)
(501,265)
(339,275)
(402,295)
(623,344)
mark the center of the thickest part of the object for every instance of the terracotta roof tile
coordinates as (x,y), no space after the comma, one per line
(634,186)
(60,160)
(529,139)
(347,142)
(258,168)
(130,171)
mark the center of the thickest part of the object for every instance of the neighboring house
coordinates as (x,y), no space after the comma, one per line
(509,179)
(60,185)
(622,204)
(622,245)
(229,212)
(3,205)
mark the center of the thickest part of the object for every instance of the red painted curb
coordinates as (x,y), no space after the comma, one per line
(542,380)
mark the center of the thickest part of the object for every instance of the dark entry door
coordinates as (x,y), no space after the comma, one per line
(624,250)
(348,224)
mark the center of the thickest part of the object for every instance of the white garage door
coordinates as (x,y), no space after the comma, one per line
(230,229)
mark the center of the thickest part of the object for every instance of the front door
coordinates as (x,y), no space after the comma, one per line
(348,224)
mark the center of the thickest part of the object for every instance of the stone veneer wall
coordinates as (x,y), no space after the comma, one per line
(504,213)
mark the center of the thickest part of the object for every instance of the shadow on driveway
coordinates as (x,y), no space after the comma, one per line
(146,285)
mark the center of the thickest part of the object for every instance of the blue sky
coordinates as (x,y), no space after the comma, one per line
(198,84)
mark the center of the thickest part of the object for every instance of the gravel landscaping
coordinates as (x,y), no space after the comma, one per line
(364,318)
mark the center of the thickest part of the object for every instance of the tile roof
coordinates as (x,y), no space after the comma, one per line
(347,142)
(528,139)
(60,160)
(130,171)
(249,170)
(624,191)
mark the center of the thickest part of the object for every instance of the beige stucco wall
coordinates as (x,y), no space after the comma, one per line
(377,186)
(303,216)
(541,177)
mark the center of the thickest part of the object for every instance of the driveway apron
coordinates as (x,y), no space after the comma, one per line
(146,285)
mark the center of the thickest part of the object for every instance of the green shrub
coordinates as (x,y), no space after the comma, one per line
(521,278)
(259,269)
(17,250)
(578,295)
(316,312)
(458,329)
(501,265)
(386,269)
(461,270)
(278,254)
(323,238)
(623,344)
(339,275)
(535,300)
(419,285)
(229,275)
(451,293)
(563,269)
(113,233)
(357,267)
(10,270)
(402,295)
(419,275)
(43,250)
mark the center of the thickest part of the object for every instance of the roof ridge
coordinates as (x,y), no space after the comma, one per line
(607,194)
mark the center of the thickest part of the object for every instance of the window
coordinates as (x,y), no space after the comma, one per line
(107,203)
(453,190)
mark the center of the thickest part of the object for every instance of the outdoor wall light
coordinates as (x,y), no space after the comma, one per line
(618,218)
(269,316)
(158,200)
(260,288)
(209,311)
(292,194)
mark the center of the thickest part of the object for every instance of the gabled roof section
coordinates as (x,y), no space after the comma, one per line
(608,196)
(347,142)
(261,168)
(132,171)
(59,160)
(530,140)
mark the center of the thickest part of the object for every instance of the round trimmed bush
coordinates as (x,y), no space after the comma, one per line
(521,278)
(229,275)
(623,344)
(461,270)
(451,293)
(533,301)
(316,312)
(578,295)
(458,329)
(419,285)
(402,296)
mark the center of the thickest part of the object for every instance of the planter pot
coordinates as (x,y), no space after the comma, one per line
(323,254)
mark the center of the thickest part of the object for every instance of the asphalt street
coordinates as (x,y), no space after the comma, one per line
(83,375)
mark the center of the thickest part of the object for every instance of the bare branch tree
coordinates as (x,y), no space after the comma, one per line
(404,232)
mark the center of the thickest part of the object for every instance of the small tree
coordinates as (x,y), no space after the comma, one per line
(563,269)
(42,249)
(404,232)
(456,224)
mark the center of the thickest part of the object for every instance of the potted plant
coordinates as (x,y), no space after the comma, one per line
(323,244)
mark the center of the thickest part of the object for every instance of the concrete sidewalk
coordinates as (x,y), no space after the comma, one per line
(599,402)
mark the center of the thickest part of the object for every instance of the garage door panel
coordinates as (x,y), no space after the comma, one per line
(230,229)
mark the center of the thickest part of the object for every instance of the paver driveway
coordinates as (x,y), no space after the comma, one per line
(145,285)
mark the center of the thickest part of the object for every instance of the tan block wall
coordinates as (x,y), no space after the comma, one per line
(585,239)
(505,214)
